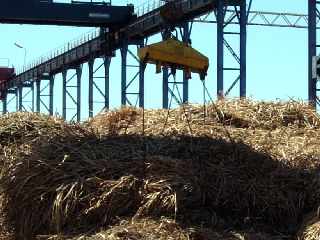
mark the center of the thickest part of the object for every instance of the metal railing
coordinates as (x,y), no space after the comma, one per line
(60,50)
(148,6)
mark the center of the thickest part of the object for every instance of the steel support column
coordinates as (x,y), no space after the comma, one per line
(165,78)
(17,100)
(78,73)
(107,62)
(64,94)
(91,65)
(165,88)
(142,68)
(243,48)
(220,47)
(312,42)
(20,96)
(32,96)
(124,53)
(38,97)
(186,39)
(51,85)
(4,104)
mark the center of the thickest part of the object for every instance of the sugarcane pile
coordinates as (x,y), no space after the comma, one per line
(229,170)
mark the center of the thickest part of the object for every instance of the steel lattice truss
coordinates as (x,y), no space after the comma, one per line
(269,19)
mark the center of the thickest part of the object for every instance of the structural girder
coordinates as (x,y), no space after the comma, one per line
(88,14)
(267,19)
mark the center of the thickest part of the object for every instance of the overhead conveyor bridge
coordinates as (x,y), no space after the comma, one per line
(105,43)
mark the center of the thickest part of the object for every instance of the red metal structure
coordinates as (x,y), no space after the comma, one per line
(5,75)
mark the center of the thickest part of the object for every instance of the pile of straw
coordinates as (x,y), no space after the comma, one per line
(224,166)
(267,115)
(236,113)
(263,126)
(163,229)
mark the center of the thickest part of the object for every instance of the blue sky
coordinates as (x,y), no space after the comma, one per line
(277,58)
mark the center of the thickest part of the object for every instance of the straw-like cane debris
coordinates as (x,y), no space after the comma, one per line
(189,173)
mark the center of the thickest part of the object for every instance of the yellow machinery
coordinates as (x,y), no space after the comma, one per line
(175,55)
